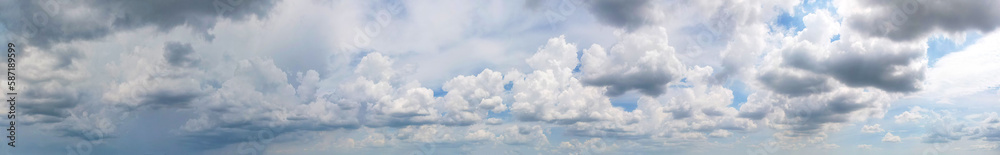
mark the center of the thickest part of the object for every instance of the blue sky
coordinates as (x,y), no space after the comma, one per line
(506,77)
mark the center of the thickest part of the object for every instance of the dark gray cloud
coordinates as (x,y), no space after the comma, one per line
(43,23)
(167,97)
(795,85)
(878,71)
(912,19)
(49,101)
(179,54)
(649,83)
(835,107)
(944,132)
(639,62)
(48,90)
(628,14)
(882,65)
(534,5)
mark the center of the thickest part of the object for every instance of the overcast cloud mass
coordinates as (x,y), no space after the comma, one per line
(505,77)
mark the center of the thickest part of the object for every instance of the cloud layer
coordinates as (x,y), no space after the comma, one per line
(636,76)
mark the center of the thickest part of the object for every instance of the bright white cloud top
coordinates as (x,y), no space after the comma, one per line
(506,77)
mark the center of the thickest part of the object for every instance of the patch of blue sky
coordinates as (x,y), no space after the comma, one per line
(740,92)
(940,46)
(788,21)
(793,20)
(628,101)
(504,115)
(438,92)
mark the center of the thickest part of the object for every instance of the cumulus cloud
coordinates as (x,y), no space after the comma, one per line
(641,61)
(799,86)
(906,20)
(720,133)
(469,98)
(891,138)
(886,65)
(524,135)
(44,23)
(986,146)
(52,86)
(872,129)
(684,114)
(389,99)
(552,94)
(965,72)
(179,54)
(628,14)
(913,115)
(865,147)
(154,80)
(813,84)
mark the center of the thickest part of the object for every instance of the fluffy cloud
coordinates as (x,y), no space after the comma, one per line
(872,129)
(469,98)
(944,127)
(628,14)
(865,147)
(720,133)
(801,85)
(389,100)
(886,65)
(814,84)
(178,54)
(552,94)
(910,116)
(44,23)
(905,20)
(891,138)
(641,61)
(54,85)
(965,72)
(150,79)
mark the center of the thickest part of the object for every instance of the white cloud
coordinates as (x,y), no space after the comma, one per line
(494,121)
(965,72)
(811,84)
(913,115)
(283,72)
(986,146)
(469,98)
(891,138)
(390,100)
(872,129)
(640,61)
(908,20)
(865,147)
(552,94)
(555,55)
(720,133)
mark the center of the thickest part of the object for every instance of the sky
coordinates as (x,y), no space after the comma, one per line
(761,77)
